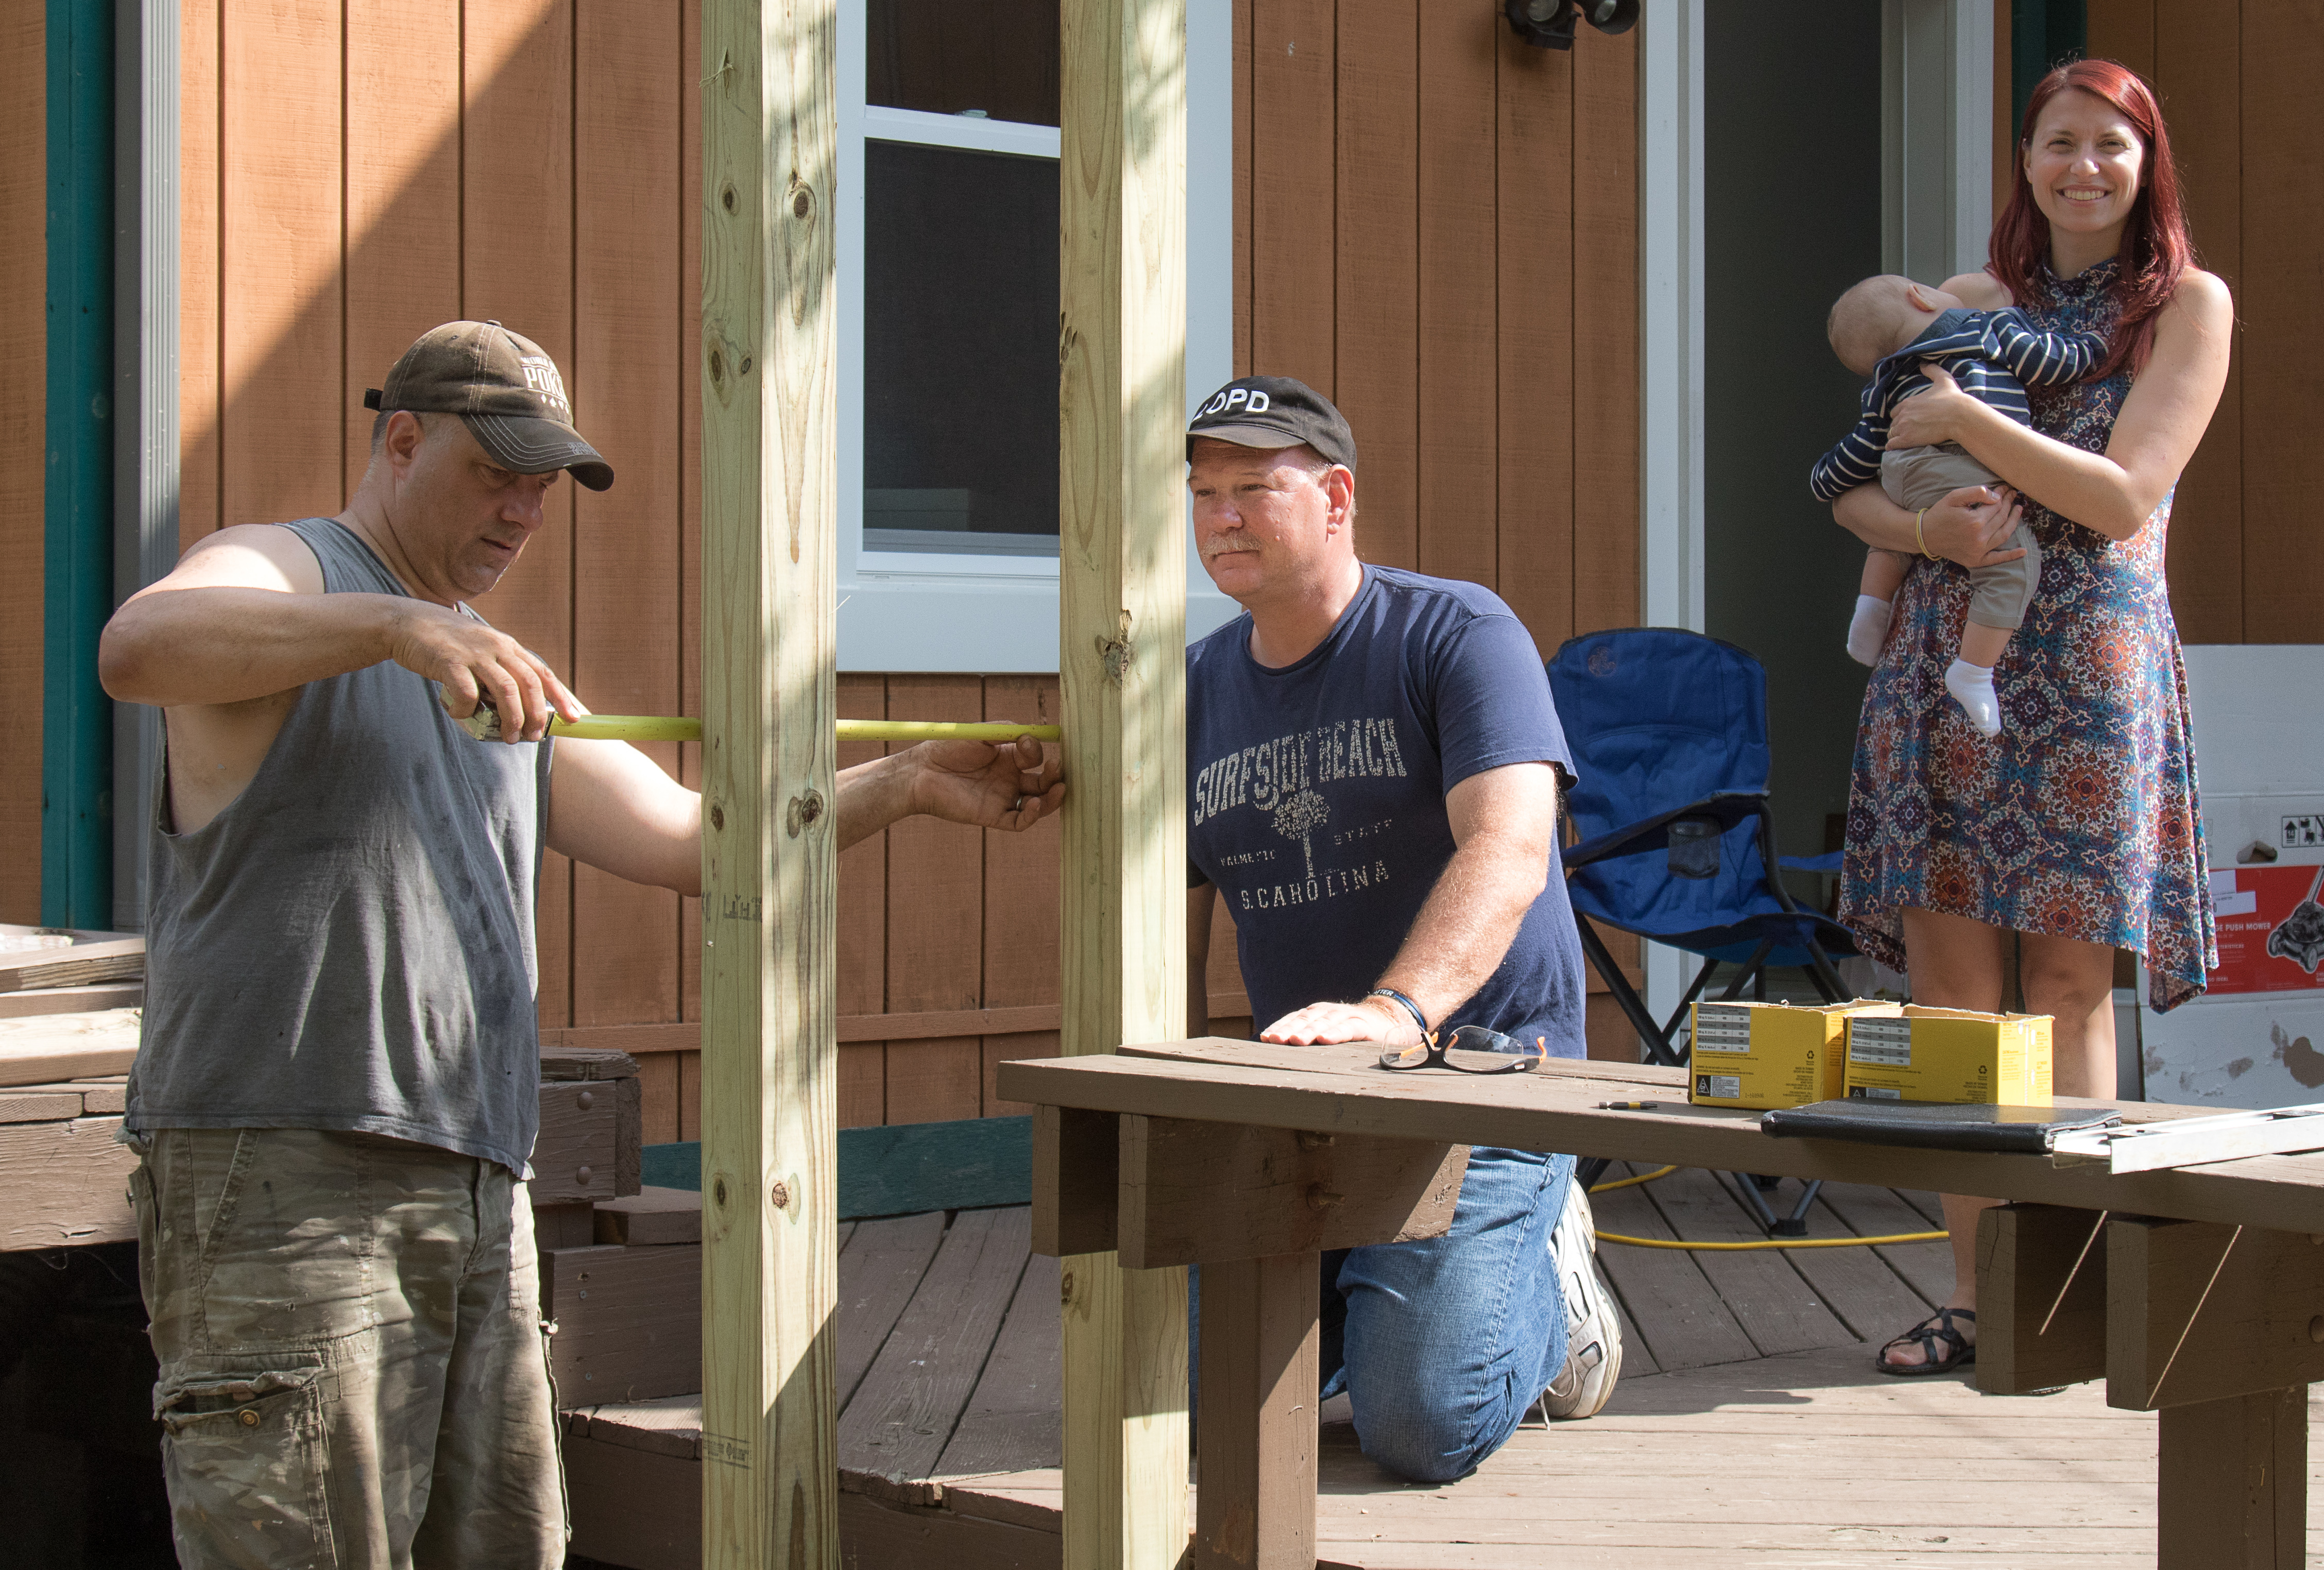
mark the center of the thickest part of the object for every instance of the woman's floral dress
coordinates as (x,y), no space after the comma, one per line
(2080,820)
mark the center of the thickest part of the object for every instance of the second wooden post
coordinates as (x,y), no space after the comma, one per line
(1122,655)
(769,522)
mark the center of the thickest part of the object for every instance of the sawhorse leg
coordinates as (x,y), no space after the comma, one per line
(1256,1427)
(2231,1483)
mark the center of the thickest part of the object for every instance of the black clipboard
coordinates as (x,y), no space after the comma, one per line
(2028,1131)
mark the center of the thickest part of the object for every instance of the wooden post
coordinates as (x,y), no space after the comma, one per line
(770,456)
(2231,1483)
(1255,1508)
(1121,653)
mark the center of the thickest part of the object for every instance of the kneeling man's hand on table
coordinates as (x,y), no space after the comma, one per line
(1381,1020)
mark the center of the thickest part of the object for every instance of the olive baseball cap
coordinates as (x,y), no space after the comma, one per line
(1273,411)
(506,391)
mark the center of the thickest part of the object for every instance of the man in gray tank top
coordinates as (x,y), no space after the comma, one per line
(336,1094)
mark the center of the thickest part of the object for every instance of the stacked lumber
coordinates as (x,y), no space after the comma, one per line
(63,1177)
(58,956)
(627,1303)
(621,1264)
(45,1049)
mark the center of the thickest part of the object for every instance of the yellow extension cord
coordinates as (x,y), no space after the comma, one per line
(1787,1242)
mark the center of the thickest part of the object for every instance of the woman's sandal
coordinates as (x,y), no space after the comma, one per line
(1926,1334)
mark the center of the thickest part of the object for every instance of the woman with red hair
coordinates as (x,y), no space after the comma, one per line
(2076,828)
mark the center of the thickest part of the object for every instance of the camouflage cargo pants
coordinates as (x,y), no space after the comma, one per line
(353,1365)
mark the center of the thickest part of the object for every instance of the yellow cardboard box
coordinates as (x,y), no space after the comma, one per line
(1771,1055)
(1950,1055)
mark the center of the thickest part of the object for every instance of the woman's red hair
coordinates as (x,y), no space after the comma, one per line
(2156,248)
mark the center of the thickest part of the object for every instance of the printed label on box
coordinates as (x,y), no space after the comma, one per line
(1886,1042)
(2271,927)
(1875,1092)
(1727,1086)
(1723,1028)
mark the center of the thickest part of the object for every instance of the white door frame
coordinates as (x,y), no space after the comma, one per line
(1670,351)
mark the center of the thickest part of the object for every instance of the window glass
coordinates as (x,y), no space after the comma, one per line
(960,358)
(994,58)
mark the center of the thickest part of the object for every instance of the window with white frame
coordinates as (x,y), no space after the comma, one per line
(948,371)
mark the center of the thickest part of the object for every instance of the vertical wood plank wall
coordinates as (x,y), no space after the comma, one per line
(1434,224)
(2232,79)
(1474,309)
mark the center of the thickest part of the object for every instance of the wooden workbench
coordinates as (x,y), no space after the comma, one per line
(2200,1295)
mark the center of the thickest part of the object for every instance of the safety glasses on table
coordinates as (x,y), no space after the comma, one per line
(1516,1058)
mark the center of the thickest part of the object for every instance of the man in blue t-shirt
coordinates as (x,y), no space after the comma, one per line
(1373,762)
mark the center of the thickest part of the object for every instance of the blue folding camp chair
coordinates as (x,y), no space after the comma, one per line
(1674,838)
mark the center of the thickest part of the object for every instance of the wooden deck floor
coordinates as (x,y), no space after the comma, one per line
(1749,1425)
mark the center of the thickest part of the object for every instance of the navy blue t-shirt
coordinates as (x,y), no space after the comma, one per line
(1315,797)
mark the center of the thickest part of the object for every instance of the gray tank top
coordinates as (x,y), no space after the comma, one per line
(349,945)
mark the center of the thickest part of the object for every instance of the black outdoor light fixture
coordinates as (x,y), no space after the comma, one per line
(1549,23)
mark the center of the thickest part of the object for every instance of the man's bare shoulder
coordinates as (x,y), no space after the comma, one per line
(262,556)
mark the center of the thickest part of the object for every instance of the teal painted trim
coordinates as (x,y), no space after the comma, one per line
(77,718)
(900,1169)
(2042,34)
(674,1165)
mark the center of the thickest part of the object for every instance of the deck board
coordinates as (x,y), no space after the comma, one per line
(1927,1268)
(1014,1421)
(903,1414)
(879,1271)
(1637,1357)
(1775,1306)
(1805,1458)
(1860,1287)
(1673,1306)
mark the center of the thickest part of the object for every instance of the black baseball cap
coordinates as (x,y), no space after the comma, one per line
(1273,411)
(506,391)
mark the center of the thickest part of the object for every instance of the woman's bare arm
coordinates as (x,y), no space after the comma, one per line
(2162,421)
(1979,290)
(1970,526)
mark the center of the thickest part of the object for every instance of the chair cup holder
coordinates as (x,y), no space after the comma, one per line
(1693,850)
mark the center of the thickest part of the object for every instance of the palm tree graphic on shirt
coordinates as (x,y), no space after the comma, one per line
(1298,818)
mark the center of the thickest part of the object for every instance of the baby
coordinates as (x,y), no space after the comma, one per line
(1885,328)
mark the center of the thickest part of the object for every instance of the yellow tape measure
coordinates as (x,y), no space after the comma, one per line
(484,725)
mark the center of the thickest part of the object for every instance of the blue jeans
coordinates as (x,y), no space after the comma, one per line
(1443,1345)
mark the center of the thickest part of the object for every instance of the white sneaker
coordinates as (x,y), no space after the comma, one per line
(1593,1332)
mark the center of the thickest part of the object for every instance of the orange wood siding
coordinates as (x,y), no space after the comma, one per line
(1434,224)
(23,438)
(1481,200)
(1482,197)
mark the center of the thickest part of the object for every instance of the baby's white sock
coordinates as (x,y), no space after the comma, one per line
(1972,688)
(1868,631)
